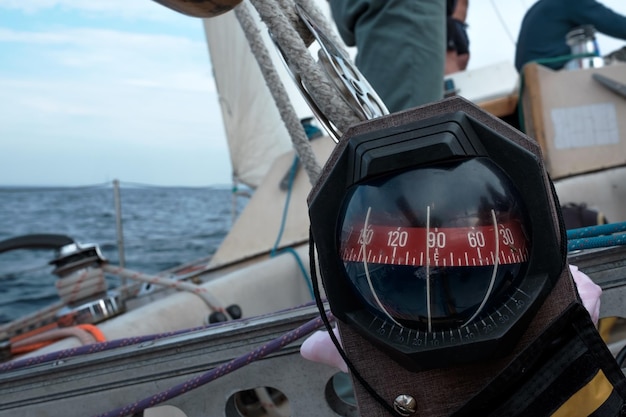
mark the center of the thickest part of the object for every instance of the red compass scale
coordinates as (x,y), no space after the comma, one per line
(502,243)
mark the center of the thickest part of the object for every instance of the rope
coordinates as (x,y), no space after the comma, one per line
(273,252)
(117,343)
(313,10)
(283,220)
(219,371)
(93,348)
(36,319)
(294,20)
(593,237)
(602,229)
(279,93)
(596,242)
(266,401)
(201,292)
(40,340)
(81,285)
(94,331)
(319,87)
(307,278)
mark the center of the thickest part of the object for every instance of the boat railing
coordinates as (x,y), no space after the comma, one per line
(129,379)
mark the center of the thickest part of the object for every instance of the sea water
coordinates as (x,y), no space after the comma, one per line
(163,227)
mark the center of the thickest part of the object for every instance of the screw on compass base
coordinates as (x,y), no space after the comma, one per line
(405,405)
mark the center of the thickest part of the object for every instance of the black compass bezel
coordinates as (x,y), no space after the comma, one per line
(420,143)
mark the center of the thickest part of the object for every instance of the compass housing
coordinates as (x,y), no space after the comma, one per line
(395,203)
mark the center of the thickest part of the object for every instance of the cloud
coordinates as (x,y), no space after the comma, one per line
(36,38)
(88,99)
(71,133)
(85,47)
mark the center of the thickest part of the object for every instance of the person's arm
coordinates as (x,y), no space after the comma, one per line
(460,11)
(605,20)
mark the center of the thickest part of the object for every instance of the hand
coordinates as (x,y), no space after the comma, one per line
(320,348)
(589,292)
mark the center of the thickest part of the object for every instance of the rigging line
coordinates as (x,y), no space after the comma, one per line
(503,23)
(283,220)
(306,67)
(305,275)
(27,189)
(212,303)
(277,88)
(274,251)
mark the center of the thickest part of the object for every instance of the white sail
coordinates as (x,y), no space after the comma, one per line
(254,129)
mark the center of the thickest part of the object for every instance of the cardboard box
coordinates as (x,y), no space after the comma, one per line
(579,124)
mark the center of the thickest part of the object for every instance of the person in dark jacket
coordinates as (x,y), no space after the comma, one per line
(401,47)
(547,22)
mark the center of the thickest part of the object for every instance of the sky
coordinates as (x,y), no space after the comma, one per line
(96,90)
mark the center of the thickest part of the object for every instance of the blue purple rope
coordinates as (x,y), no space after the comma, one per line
(93,348)
(228,367)
(117,343)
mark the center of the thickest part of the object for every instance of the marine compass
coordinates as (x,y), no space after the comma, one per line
(438,244)
(438,239)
